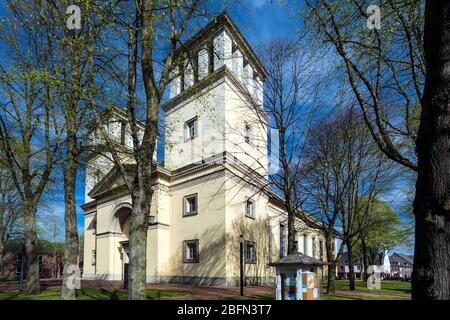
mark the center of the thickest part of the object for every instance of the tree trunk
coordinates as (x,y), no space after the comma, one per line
(291,233)
(351,266)
(431,275)
(32,285)
(365,260)
(138,248)
(55,264)
(68,290)
(142,190)
(2,272)
(331,271)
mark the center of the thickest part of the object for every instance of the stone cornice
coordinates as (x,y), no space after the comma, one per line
(219,162)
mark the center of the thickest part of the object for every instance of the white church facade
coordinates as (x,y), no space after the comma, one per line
(212,189)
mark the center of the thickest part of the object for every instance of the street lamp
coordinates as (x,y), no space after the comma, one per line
(241,261)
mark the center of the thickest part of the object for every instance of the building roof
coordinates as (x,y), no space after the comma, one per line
(297,258)
(357,261)
(343,260)
(403,259)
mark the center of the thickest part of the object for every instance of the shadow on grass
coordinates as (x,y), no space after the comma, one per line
(91,294)
(251,297)
(387,286)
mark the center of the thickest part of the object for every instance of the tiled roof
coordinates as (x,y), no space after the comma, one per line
(402,258)
(299,259)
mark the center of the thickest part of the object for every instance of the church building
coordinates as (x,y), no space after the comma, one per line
(211,190)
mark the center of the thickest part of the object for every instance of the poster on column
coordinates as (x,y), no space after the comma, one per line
(310,281)
(299,295)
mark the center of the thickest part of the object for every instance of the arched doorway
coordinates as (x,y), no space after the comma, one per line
(120,226)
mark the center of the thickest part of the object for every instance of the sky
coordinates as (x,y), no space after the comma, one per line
(259,21)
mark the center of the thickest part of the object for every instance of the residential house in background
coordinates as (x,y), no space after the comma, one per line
(50,258)
(343,268)
(381,260)
(401,266)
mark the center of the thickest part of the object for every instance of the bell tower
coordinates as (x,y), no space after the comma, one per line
(215,104)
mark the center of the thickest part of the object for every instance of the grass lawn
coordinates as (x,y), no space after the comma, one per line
(91,294)
(8,281)
(387,286)
(362,297)
(390,290)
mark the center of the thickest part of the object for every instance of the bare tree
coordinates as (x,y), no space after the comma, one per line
(383,231)
(385,68)
(343,176)
(9,210)
(283,108)
(291,101)
(26,133)
(150,26)
(65,55)
(324,186)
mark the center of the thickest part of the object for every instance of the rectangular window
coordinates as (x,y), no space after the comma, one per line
(182,85)
(248,133)
(94,258)
(321,250)
(314,247)
(190,251)
(305,244)
(19,265)
(295,241)
(282,241)
(94,225)
(190,205)
(40,259)
(191,129)
(123,133)
(211,56)
(250,252)
(250,209)
(194,60)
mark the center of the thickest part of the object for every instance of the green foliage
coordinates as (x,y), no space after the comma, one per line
(43,246)
(384,229)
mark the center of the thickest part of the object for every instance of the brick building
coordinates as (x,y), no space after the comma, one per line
(50,257)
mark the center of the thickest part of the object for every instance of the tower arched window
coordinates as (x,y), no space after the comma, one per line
(248,133)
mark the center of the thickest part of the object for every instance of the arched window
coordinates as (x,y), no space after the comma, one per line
(248,133)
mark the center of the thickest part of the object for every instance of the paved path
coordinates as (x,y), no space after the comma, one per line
(214,293)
